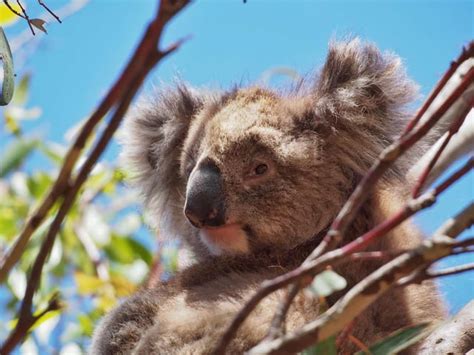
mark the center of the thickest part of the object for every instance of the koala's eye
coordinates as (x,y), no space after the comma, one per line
(258,172)
(261,169)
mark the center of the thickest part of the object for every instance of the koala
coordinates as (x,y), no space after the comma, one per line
(249,181)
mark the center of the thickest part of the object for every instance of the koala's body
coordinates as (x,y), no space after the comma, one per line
(250,180)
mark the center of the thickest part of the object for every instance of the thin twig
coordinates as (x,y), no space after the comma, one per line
(386,159)
(451,132)
(466,53)
(431,274)
(276,328)
(371,288)
(23,39)
(144,59)
(145,50)
(25,16)
(7,4)
(312,267)
(422,202)
(20,330)
(49,10)
(278,322)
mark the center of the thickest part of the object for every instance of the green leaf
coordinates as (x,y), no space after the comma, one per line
(325,347)
(53,151)
(87,284)
(86,323)
(21,92)
(45,317)
(327,282)
(8,226)
(122,286)
(11,123)
(399,340)
(127,250)
(15,154)
(169,258)
(39,183)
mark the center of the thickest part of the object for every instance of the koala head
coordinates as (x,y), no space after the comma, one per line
(256,169)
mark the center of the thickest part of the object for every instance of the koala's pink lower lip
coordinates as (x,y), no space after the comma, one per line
(229,238)
(223,227)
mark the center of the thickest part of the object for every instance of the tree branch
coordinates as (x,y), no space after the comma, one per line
(49,10)
(144,59)
(322,256)
(312,267)
(456,336)
(369,289)
(385,160)
(146,51)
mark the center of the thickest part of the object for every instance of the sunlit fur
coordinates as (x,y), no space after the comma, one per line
(318,141)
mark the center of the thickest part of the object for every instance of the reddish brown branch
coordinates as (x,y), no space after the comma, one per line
(136,74)
(147,48)
(312,267)
(379,282)
(466,53)
(454,177)
(278,322)
(22,329)
(322,255)
(424,201)
(452,131)
(386,159)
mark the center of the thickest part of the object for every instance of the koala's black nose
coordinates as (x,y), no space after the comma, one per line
(205,205)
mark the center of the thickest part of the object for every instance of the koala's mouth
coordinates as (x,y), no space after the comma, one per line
(229,238)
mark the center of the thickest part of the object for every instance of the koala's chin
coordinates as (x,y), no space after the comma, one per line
(227,239)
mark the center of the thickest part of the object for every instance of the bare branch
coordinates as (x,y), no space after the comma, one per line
(26,17)
(386,159)
(144,59)
(312,267)
(455,336)
(450,271)
(7,4)
(277,326)
(145,54)
(462,143)
(49,10)
(21,330)
(370,288)
(442,85)
(24,38)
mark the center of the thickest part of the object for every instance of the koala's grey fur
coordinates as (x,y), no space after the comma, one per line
(318,141)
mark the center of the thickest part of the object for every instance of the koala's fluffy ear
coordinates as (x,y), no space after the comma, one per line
(363,85)
(152,139)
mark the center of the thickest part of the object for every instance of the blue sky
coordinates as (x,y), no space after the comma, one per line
(233,42)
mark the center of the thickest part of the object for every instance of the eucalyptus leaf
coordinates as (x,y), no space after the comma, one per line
(127,250)
(399,340)
(22,89)
(87,284)
(327,282)
(325,347)
(15,154)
